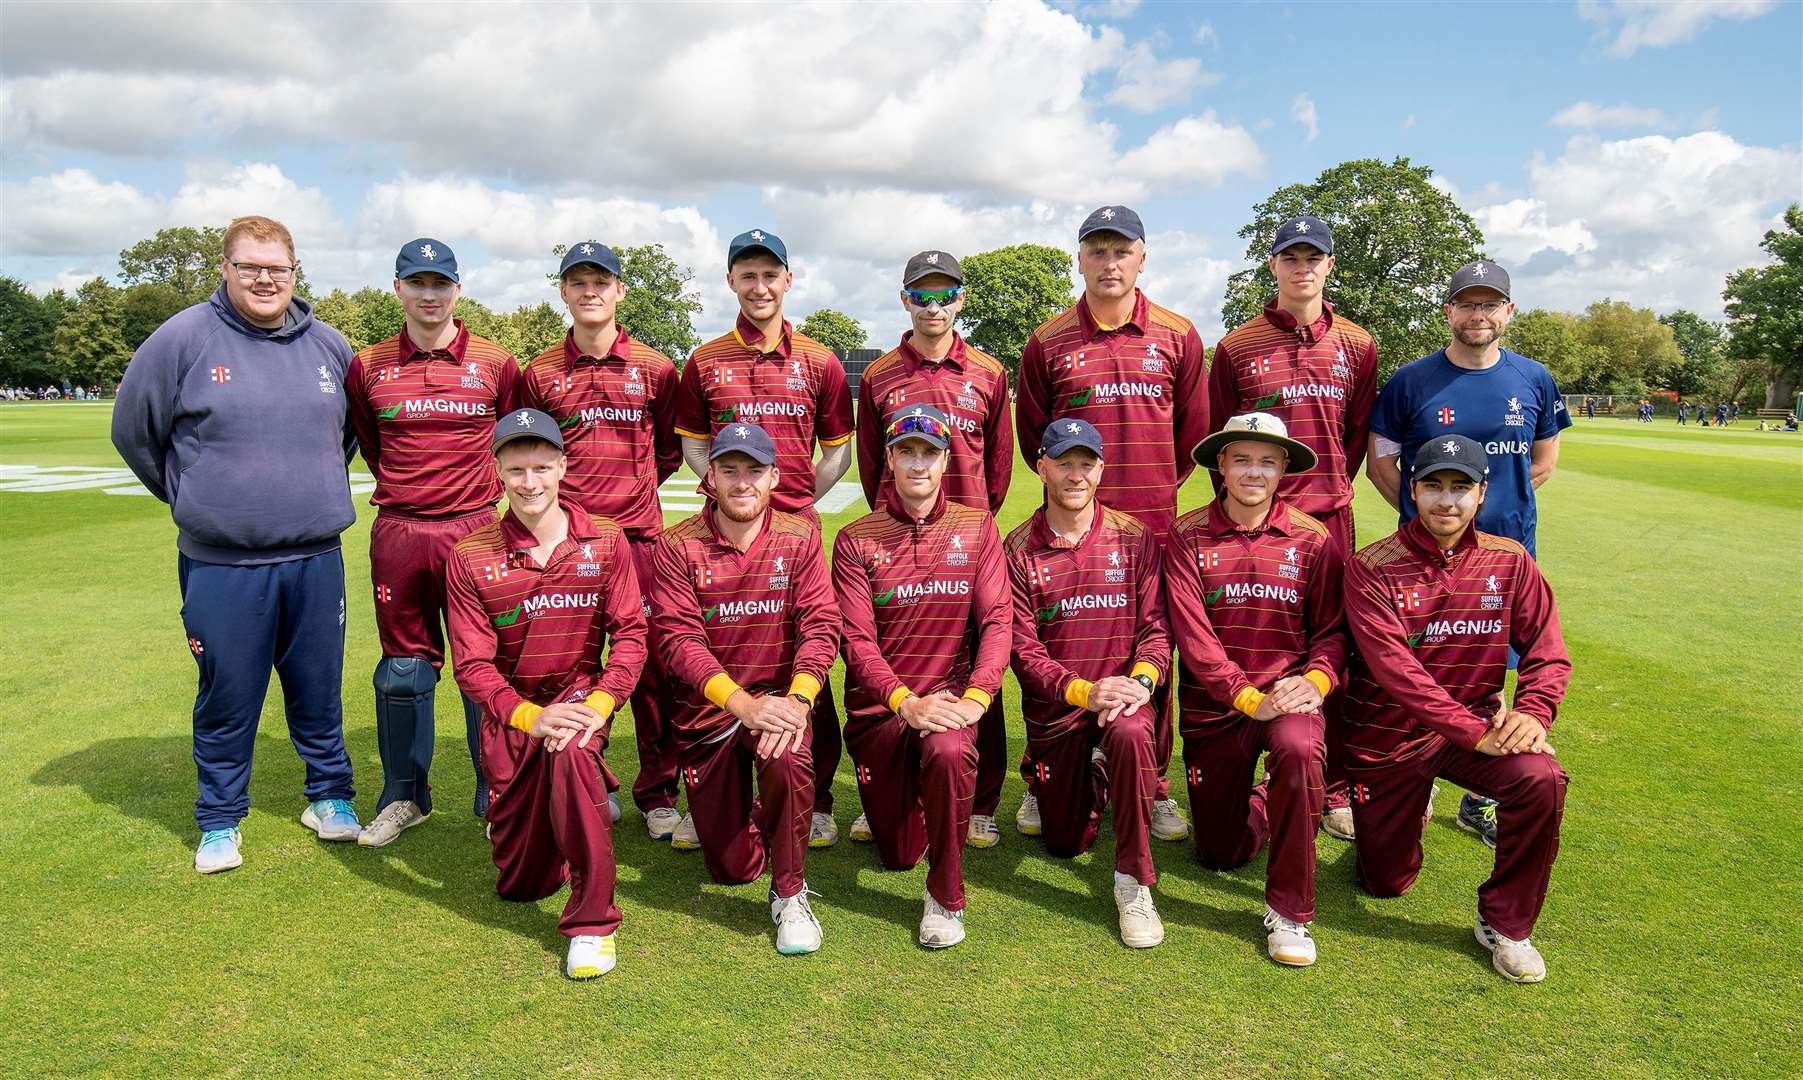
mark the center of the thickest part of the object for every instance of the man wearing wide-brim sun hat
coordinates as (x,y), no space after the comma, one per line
(1254,588)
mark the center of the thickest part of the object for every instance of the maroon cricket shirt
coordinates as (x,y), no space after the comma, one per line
(971,388)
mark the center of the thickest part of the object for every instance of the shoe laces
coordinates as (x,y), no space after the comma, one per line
(215,834)
(337,806)
(1487,813)
(1274,921)
(797,906)
(1141,905)
(934,907)
(394,813)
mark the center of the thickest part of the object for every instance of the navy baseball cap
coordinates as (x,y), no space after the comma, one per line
(1482,272)
(923,422)
(1455,452)
(1307,229)
(1063,436)
(425,256)
(932,262)
(589,253)
(1116,219)
(526,424)
(754,241)
(748,439)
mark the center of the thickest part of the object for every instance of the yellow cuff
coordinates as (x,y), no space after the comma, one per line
(840,441)
(805,685)
(1479,745)
(1076,693)
(1320,679)
(900,695)
(602,702)
(523,715)
(719,688)
(1247,700)
(1143,668)
(971,693)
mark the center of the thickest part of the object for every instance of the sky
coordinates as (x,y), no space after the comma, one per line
(1608,148)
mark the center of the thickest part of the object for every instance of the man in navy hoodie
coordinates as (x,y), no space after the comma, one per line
(233,413)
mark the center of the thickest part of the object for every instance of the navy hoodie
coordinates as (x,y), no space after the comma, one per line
(242,431)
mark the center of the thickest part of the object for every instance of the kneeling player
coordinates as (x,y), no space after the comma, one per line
(746,625)
(923,591)
(1434,610)
(531,598)
(1090,646)
(1254,587)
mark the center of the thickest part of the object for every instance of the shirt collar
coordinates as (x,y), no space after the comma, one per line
(1137,320)
(753,338)
(1045,539)
(456,348)
(954,358)
(1415,534)
(1286,322)
(1277,521)
(621,349)
(713,530)
(519,537)
(893,504)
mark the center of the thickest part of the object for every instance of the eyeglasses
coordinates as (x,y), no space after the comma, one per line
(929,426)
(252,271)
(929,297)
(1488,307)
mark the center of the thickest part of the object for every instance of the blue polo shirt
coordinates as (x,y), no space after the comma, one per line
(1507,407)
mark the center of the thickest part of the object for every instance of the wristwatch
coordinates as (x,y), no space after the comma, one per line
(804,699)
(1146,681)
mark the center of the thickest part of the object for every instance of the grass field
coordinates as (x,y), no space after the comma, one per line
(1673,934)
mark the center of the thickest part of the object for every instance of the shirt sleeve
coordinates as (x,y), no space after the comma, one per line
(1389,417)
(864,662)
(144,411)
(816,615)
(870,442)
(681,637)
(474,644)
(1544,671)
(832,404)
(1040,676)
(1554,416)
(1152,629)
(1223,396)
(1325,604)
(994,612)
(1191,420)
(362,414)
(1383,647)
(998,447)
(624,621)
(1032,409)
(1358,409)
(691,403)
(1198,649)
(666,445)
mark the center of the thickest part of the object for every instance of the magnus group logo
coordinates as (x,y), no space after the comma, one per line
(612,414)
(534,606)
(1239,592)
(1107,393)
(732,611)
(1082,602)
(415,408)
(913,592)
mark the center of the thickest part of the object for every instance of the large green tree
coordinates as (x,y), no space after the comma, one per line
(146,306)
(1765,311)
(90,351)
(183,258)
(1397,240)
(834,329)
(659,308)
(1008,293)
(27,337)
(1637,348)
(1557,340)
(1699,343)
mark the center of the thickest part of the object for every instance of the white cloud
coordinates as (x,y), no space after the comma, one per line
(1656,24)
(1206,34)
(1408,121)
(1108,9)
(1180,275)
(68,280)
(1586,116)
(1146,84)
(74,211)
(1302,110)
(1195,152)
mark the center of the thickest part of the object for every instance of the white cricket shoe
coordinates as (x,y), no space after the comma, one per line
(661,823)
(860,830)
(797,930)
(939,928)
(1141,928)
(823,831)
(1026,819)
(982,832)
(1516,961)
(1167,823)
(1337,822)
(396,818)
(1289,942)
(685,838)
(218,851)
(590,956)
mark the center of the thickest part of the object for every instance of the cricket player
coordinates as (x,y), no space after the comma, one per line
(935,366)
(615,402)
(1254,587)
(1506,402)
(746,623)
(424,404)
(767,374)
(1090,646)
(1434,611)
(922,587)
(1135,371)
(1305,364)
(533,600)
(233,413)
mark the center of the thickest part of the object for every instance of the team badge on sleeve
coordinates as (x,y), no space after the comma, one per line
(1408,599)
(195,647)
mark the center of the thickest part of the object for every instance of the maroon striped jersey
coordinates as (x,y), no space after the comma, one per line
(521,632)
(1250,607)
(1140,384)
(925,604)
(971,388)
(794,389)
(761,617)
(618,417)
(1320,380)
(1433,631)
(426,421)
(1083,612)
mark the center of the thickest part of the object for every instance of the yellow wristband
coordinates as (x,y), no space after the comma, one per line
(1146,669)
(719,689)
(523,715)
(602,702)
(971,693)
(1320,679)
(1076,693)
(896,697)
(1247,700)
(805,685)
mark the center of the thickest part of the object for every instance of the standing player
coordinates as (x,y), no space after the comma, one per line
(615,401)
(424,404)
(532,598)
(1506,402)
(922,587)
(1136,372)
(748,631)
(1308,366)
(230,413)
(765,373)
(1090,646)
(1254,587)
(1435,611)
(934,366)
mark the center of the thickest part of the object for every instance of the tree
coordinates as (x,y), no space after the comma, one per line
(27,337)
(1765,311)
(379,315)
(1636,347)
(1699,344)
(184,258)
(90,350)
(1008,293)
(531,330)
(1556,339)
(659,308)
(1397,240)
(834,329)
(146,306)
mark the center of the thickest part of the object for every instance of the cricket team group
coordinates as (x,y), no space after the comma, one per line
(1251,625)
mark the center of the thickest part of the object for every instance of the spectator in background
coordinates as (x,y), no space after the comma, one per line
(1589,407)
(1683,413)
(1734,412)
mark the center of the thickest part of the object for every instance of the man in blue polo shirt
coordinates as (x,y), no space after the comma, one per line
(1474,387)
